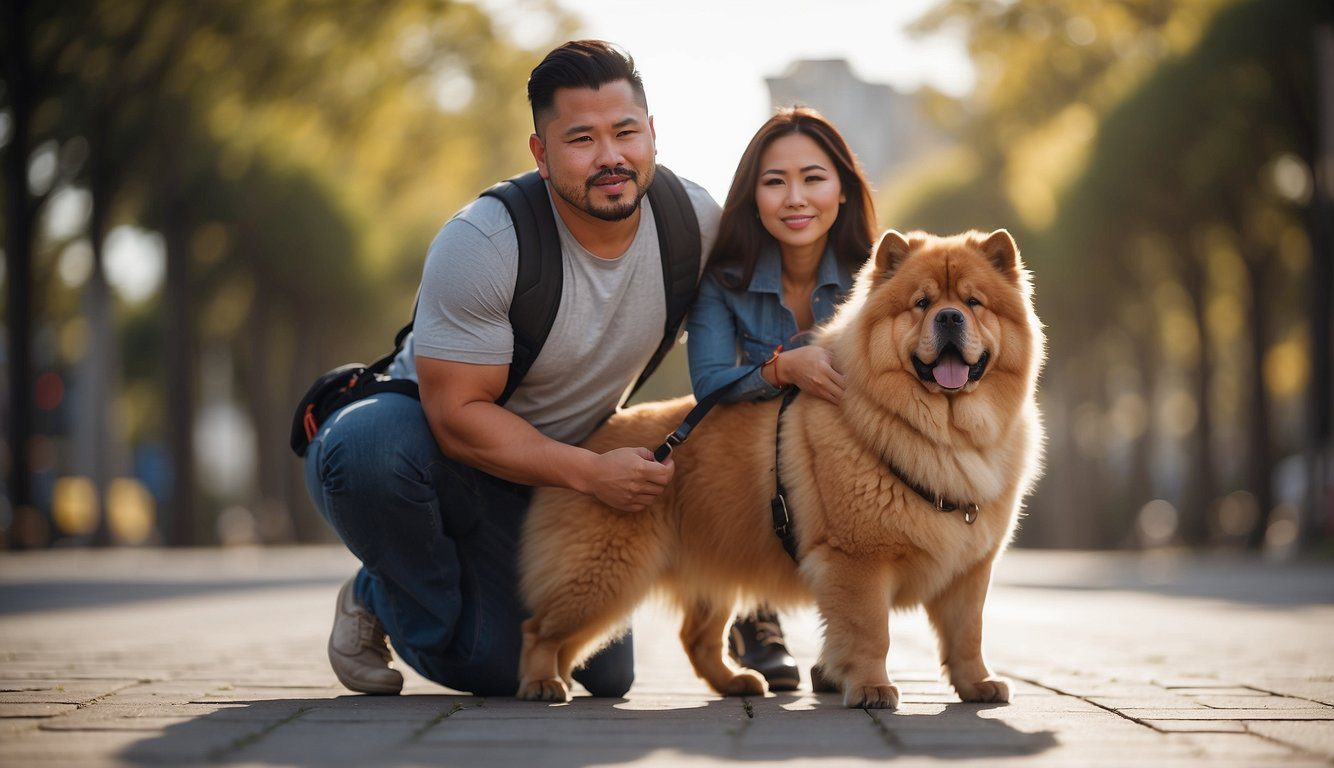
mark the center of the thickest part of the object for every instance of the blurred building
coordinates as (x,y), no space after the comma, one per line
(885,127)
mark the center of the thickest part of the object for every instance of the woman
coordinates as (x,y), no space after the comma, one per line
(797,224)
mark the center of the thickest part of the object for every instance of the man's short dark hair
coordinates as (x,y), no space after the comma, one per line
(580,64)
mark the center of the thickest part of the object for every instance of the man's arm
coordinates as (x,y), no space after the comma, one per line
(459,401)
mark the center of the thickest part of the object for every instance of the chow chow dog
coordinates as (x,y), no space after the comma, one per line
(904,494)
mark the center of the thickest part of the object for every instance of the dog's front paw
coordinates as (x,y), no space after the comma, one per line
(551,689)
(993,690)
(872,696)
(743,683)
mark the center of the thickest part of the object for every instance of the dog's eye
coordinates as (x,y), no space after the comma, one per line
(923,303)
(973,302)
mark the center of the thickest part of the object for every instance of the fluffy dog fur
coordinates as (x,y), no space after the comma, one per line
(867,542)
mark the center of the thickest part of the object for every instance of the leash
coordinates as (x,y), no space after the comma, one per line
(698,413)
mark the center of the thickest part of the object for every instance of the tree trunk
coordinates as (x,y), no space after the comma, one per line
(98,366)
(1142,485)
(307,524)
(181,520)
(1261,454)
(18,266)
(1319,513)
(269,422)
(1195,510)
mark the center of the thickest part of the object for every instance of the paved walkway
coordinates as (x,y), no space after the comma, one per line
(134,657)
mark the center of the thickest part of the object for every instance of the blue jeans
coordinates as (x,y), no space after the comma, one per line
(438,542)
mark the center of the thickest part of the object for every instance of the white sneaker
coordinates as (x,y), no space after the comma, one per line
(358,651)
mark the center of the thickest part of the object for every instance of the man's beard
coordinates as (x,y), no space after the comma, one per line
(581,197)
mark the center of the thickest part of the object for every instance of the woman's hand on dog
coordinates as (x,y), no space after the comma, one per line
(812,370)
(629,479)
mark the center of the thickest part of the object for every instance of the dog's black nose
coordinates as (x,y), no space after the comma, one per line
(949,319)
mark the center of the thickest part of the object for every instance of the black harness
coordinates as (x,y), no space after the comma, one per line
(783,518)
(782,515)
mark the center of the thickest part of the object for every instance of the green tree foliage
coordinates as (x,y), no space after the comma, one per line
(297,158)
(1151,155)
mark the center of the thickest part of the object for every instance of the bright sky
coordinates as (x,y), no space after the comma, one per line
(704,61)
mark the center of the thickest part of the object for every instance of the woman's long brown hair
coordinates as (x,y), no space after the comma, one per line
(741,236)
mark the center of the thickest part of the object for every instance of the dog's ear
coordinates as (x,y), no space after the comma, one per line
(890,252)
(1003,254)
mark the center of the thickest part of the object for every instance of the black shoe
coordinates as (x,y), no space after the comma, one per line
(756,642)
(820,683)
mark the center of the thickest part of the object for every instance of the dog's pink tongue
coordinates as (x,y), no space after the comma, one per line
(950,372)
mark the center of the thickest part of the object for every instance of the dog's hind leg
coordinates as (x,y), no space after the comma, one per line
(538,666)
(702,635)
(956,615)
(577,606)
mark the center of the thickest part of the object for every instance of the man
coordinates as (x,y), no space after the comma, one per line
(431,496)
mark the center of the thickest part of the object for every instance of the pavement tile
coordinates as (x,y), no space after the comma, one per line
(35,710)
(1166,701)
(1229,714)
(1319,691)
(118,746)
(160,693)
(1254,702)
(236,693)
(66,724)
(1238,691)
(1053,704)
(12,684)
(1193,683)
(12,727)
(1090,687)
(51,696)
(93,717)
(1236,746)
(204,685)
(1316,738)
(1196,726)
(35,747)
(366,709)
(322,743)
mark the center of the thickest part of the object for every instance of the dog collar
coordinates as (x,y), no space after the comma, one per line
(936,500)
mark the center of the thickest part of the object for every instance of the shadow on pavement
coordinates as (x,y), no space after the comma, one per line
(464,730)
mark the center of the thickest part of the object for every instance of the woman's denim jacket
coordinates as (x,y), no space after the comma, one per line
(731,330)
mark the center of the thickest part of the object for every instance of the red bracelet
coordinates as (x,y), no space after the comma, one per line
(773,360)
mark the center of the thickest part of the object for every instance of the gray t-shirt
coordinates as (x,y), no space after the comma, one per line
(609,323)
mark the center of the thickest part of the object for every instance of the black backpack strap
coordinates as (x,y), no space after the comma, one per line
(537,289)
(680,249)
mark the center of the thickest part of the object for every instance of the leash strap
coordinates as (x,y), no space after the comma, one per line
(782,517)
(697,415)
